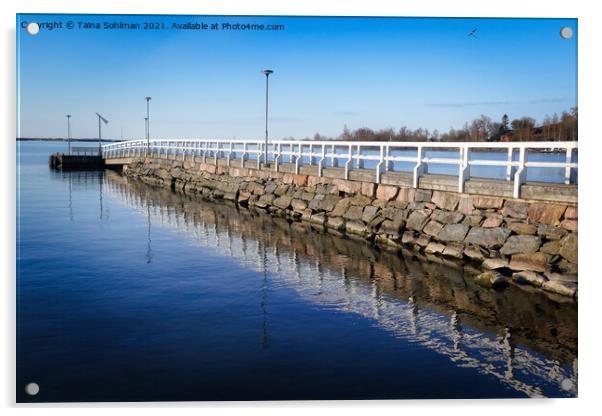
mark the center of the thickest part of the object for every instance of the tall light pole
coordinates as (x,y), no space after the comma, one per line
(104,120)
(146,132)
(267,73)
(69,132)
(147,123)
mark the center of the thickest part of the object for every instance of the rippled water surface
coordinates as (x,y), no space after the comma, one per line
(129,293)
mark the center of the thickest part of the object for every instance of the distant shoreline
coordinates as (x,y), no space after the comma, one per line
(31,139)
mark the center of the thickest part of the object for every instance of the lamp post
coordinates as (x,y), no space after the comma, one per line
(104,120)
(146,130)
(69,132)
(147,123)
(267,73)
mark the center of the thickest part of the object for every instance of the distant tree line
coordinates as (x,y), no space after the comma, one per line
(481,129)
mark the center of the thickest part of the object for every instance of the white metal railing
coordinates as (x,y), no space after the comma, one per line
(357,155)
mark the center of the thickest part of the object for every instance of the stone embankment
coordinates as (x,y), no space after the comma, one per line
(526,242)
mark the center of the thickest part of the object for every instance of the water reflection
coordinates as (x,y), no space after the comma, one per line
(527,340)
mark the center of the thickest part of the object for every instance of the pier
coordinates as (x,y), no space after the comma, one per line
(481,168)
(509,208)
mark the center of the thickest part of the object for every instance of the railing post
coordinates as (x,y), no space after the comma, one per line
(567,169)
(244,154)
(419,168)
(380,163)
(298,159)
(229,155)
(215,154)
(464,168)
(521,173)
(333,160)
(347,163)
(277,156)
(321,162)
(509,166)
(259,155)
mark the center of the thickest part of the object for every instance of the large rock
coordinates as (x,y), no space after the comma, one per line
(341,207)
(474,253)
(328,202)
(495,263)
(432,228)
(315,203)
(408,237)
(465,205)
(473,220)
(418,219)
(354,213)
(492,280)
(368,189)
(447,217)
(422,195)
(484,202)
(283,201)
(522,228)
(537,262)
(391,228)
(571,213)
(560,288)
(453,233)
(386,192)
(550,232)
(492,238)
(455,250)
(298,204)
(318,219)
(551,247)
(406,195)
(348,187)
(492,221)
(360,200)
(546,213)
(356,227)
(527,277)
(515,209)
(521,244)
(370,212)
(445,200)
(570,225)
(568,248)
(434,248)
(336,223)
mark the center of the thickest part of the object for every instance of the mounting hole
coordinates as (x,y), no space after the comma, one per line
(566,384)
(566,32)
(32,28)
(32,389)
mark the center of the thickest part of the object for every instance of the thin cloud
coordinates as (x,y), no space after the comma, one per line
(346,113)
(497,103)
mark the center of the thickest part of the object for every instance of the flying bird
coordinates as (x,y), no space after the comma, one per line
(472,33)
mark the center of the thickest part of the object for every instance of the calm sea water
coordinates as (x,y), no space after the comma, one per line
(132,293)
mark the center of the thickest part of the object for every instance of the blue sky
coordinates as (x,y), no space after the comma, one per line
(329,72)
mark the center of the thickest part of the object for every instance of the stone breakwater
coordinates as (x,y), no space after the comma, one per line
(519,241)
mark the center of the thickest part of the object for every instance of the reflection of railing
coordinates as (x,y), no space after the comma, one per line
(84,151)
(357,155)
(495,355)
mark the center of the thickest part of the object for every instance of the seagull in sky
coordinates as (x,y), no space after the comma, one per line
(472,33)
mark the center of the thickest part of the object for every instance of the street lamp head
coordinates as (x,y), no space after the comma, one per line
(68,115)
(148,98)
(267,72)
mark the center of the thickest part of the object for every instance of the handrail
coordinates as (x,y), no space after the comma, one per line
(381,154)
